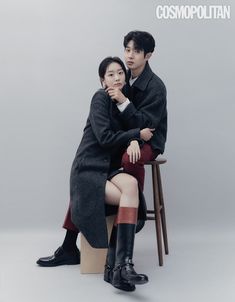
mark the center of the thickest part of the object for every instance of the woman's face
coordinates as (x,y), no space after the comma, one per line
(114,76)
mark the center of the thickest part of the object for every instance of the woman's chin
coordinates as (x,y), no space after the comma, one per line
(118,86)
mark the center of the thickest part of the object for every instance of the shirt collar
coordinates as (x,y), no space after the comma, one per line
(143,79)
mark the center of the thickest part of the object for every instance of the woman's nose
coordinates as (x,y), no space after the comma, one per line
(117,77)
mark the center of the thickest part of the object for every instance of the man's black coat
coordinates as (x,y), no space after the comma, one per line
(147,107)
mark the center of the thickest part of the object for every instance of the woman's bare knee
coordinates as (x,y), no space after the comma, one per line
(126,183)
(128,186)
(131,183)
(112,194)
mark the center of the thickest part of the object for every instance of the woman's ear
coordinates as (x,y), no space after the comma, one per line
(102,82)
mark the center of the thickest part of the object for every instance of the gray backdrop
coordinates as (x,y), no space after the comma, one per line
(49,55)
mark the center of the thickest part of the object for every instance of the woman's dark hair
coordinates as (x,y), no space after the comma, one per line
(106,62)
(142,41)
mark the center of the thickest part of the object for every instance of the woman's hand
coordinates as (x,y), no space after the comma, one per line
(134,151)
(116,94)
(146,134)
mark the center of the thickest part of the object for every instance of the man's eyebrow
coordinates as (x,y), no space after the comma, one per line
(135,48)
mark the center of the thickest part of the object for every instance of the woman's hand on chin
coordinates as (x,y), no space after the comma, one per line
(116,94)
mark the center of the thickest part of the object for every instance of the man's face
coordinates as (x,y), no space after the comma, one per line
(134,58)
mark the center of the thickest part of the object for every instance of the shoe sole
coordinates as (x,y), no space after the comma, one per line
(135,282)
(57,263)
(122,287)
(139,282)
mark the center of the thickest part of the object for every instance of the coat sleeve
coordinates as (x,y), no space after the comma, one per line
(149,113)
(100,122)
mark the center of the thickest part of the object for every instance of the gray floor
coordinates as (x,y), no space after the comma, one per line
(200,267)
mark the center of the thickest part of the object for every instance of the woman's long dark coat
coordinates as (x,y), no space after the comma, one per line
(102,138)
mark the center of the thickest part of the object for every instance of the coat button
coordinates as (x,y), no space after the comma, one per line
(105,160)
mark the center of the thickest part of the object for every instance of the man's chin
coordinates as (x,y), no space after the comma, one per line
(130,65)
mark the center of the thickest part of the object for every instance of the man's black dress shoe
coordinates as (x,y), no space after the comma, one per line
(60,257)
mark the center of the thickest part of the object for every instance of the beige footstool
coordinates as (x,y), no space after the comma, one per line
(93,260)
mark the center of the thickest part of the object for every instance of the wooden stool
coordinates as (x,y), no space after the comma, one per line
(158,214)
(93,260)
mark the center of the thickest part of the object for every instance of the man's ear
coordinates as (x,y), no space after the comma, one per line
(148,55)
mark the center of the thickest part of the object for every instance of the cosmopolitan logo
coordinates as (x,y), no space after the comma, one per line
(193,11)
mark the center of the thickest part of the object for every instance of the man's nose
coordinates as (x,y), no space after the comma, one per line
(130,54)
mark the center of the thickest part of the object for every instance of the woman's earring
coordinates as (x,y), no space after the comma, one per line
(103,85)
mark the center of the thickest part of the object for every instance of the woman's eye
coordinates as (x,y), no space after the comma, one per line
(121,72)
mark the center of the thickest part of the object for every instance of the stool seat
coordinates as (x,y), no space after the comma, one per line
(158,213)
(157,161)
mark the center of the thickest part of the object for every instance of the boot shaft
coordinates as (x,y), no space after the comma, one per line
(110,258)
(125,242)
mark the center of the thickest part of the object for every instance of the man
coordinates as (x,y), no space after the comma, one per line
(145,106)
(146,103)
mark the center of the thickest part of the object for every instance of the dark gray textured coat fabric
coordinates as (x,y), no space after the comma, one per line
(147,107)
(103,137)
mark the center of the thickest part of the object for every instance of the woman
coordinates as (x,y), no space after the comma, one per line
(97,186)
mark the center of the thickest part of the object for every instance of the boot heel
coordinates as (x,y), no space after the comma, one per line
(108,274)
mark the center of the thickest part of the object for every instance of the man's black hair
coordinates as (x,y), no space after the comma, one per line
(142,40)
(106,62)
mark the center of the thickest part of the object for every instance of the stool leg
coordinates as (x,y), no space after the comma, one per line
(163,216)
(157,214)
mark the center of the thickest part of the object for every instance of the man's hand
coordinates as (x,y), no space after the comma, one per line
(116,94)
(146,134)
(134,151)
